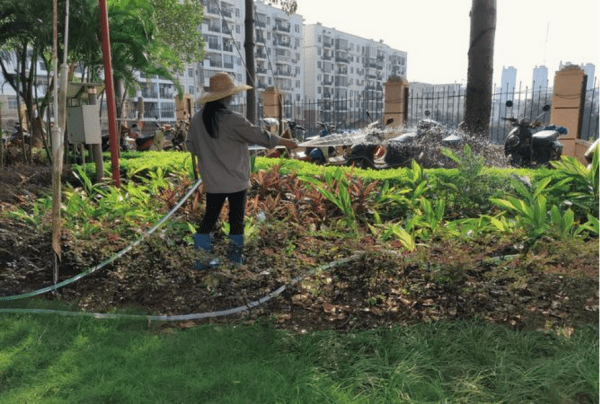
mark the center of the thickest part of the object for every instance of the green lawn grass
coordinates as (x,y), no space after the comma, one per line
(55,359)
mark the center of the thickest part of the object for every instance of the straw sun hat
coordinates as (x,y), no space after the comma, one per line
(221,86)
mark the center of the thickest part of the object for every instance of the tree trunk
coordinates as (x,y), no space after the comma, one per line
(250,68)
(478,104)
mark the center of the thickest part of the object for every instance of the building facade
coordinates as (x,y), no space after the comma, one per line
(278,48)
(345,73)
(540,78)
(302,62)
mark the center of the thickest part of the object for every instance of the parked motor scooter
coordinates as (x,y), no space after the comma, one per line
(526,149)
(15,137)
(179,135)
(320,155)
(127,136)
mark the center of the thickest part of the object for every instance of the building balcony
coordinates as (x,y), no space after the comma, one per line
(214,28)
(283,59)
(214,46)
(227,12)
(282,44)
(226,29)
(327,44)
(261,70)
(283,73)
(149,94)
(228,66)
(212,10)
(342,59)
(261,55)
(260,24)
(282,28)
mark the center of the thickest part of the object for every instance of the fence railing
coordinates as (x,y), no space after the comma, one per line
(445,105)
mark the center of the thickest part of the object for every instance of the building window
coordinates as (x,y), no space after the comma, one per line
(237,12)
(319,65)
(318,77)
(318,90)
(319,39)
(237,29)
(190,72)
(297,83)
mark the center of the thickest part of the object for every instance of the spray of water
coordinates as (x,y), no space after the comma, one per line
(423,143)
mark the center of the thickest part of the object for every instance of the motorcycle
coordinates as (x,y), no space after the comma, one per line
(523,148)
(179,136)
(127,136)
(15,137)
(366,153)
(320,155)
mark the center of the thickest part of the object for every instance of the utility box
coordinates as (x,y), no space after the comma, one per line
(83,124)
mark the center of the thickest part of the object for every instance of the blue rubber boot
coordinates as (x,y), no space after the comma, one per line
(235,248)
(204,242)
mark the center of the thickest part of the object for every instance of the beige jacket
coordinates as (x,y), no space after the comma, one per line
(224,162)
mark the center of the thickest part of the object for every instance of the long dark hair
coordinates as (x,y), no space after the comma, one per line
(209,116)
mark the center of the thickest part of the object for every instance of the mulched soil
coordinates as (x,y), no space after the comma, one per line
(552,286)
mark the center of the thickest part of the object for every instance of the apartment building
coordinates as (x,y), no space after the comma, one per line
(342,66)
(304,62)
(278,47)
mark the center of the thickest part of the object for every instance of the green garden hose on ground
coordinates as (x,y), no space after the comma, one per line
(108,261)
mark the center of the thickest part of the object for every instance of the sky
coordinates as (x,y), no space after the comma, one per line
(435,33)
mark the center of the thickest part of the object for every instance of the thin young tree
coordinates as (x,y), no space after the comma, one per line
(478,103)
(289,7)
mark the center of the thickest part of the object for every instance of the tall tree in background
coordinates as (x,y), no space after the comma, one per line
(478,104)
(289,7)
(151,36)
(26,30)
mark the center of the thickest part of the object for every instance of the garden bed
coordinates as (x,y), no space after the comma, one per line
(550,285)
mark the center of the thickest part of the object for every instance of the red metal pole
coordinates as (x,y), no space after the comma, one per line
(110,94)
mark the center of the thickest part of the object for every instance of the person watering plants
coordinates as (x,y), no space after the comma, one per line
(219,138)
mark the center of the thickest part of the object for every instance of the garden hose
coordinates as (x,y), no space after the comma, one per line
(109,260)
(184,317)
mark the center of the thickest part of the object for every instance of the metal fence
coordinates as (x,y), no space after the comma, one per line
(442,104)
(346,114)
(446,105)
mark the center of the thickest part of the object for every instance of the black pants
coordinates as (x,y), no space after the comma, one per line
(237,209)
